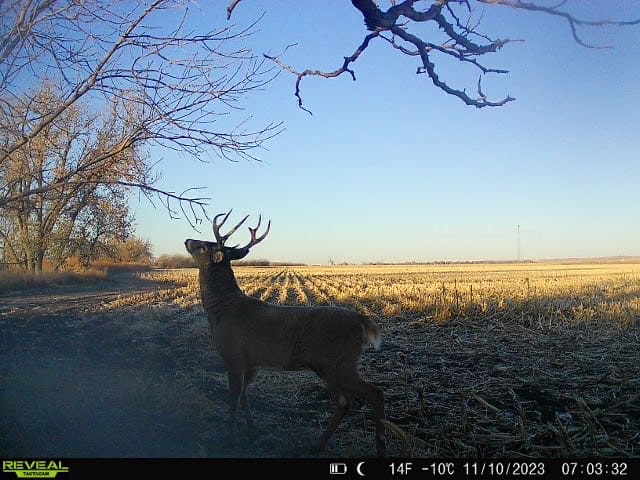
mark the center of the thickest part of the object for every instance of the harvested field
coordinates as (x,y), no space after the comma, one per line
(526,360)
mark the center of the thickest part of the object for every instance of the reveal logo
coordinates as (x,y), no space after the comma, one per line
(34,468)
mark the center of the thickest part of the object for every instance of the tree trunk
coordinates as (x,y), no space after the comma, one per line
(38,263)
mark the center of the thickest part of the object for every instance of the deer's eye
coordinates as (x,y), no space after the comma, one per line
(202,249)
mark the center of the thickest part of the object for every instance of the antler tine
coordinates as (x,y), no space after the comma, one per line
(226,237)
(257,226)
(253,232)
(216,226)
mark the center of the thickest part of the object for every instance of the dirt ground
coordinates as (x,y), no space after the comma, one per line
(71,387)
(76,383)
(77,380)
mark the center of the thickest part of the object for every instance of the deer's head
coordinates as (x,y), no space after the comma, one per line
(207,253)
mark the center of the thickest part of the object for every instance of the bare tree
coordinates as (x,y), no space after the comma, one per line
(79,215)
(102,225)
(133,249)
(458,36)
(177,86)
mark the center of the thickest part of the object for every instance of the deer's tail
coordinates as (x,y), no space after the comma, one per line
(371,333)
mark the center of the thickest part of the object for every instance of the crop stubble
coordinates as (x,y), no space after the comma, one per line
(524,360)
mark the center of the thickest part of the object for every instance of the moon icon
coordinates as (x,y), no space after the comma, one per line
(358,469)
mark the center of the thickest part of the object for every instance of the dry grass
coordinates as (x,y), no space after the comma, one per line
(483,360)
(120,267)
(10,281)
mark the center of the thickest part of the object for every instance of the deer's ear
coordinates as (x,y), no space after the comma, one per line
(237,253)
(218,257)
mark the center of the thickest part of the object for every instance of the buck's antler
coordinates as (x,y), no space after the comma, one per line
(253,231)
(216,227)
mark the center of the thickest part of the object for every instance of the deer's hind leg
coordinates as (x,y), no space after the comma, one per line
(342,401)
(353,384)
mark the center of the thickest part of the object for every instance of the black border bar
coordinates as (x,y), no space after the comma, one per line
(336,469)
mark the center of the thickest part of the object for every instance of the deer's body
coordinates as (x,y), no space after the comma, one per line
(250,334)
(245,330)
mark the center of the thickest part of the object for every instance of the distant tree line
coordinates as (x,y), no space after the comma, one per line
(185,261)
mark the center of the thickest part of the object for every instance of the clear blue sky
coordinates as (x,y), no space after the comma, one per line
(389,168)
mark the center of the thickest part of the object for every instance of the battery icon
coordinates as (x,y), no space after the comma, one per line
(337,468)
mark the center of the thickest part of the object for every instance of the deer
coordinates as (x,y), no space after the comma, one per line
(250,334)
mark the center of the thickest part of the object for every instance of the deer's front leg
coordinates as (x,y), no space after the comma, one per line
(249,376)
(236,380)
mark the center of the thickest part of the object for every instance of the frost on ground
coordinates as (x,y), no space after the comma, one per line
(512,362)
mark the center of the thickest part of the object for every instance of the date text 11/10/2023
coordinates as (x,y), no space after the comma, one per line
(538,468)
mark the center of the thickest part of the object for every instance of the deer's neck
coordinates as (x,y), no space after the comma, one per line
(218,286)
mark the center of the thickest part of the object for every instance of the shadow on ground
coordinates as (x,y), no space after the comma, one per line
(131,382)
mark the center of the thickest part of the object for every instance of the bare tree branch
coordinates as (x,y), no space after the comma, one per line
(429,68)
(573,21)
(192,208)
(185,87)
(336,73)
(463,39)
(230,8)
